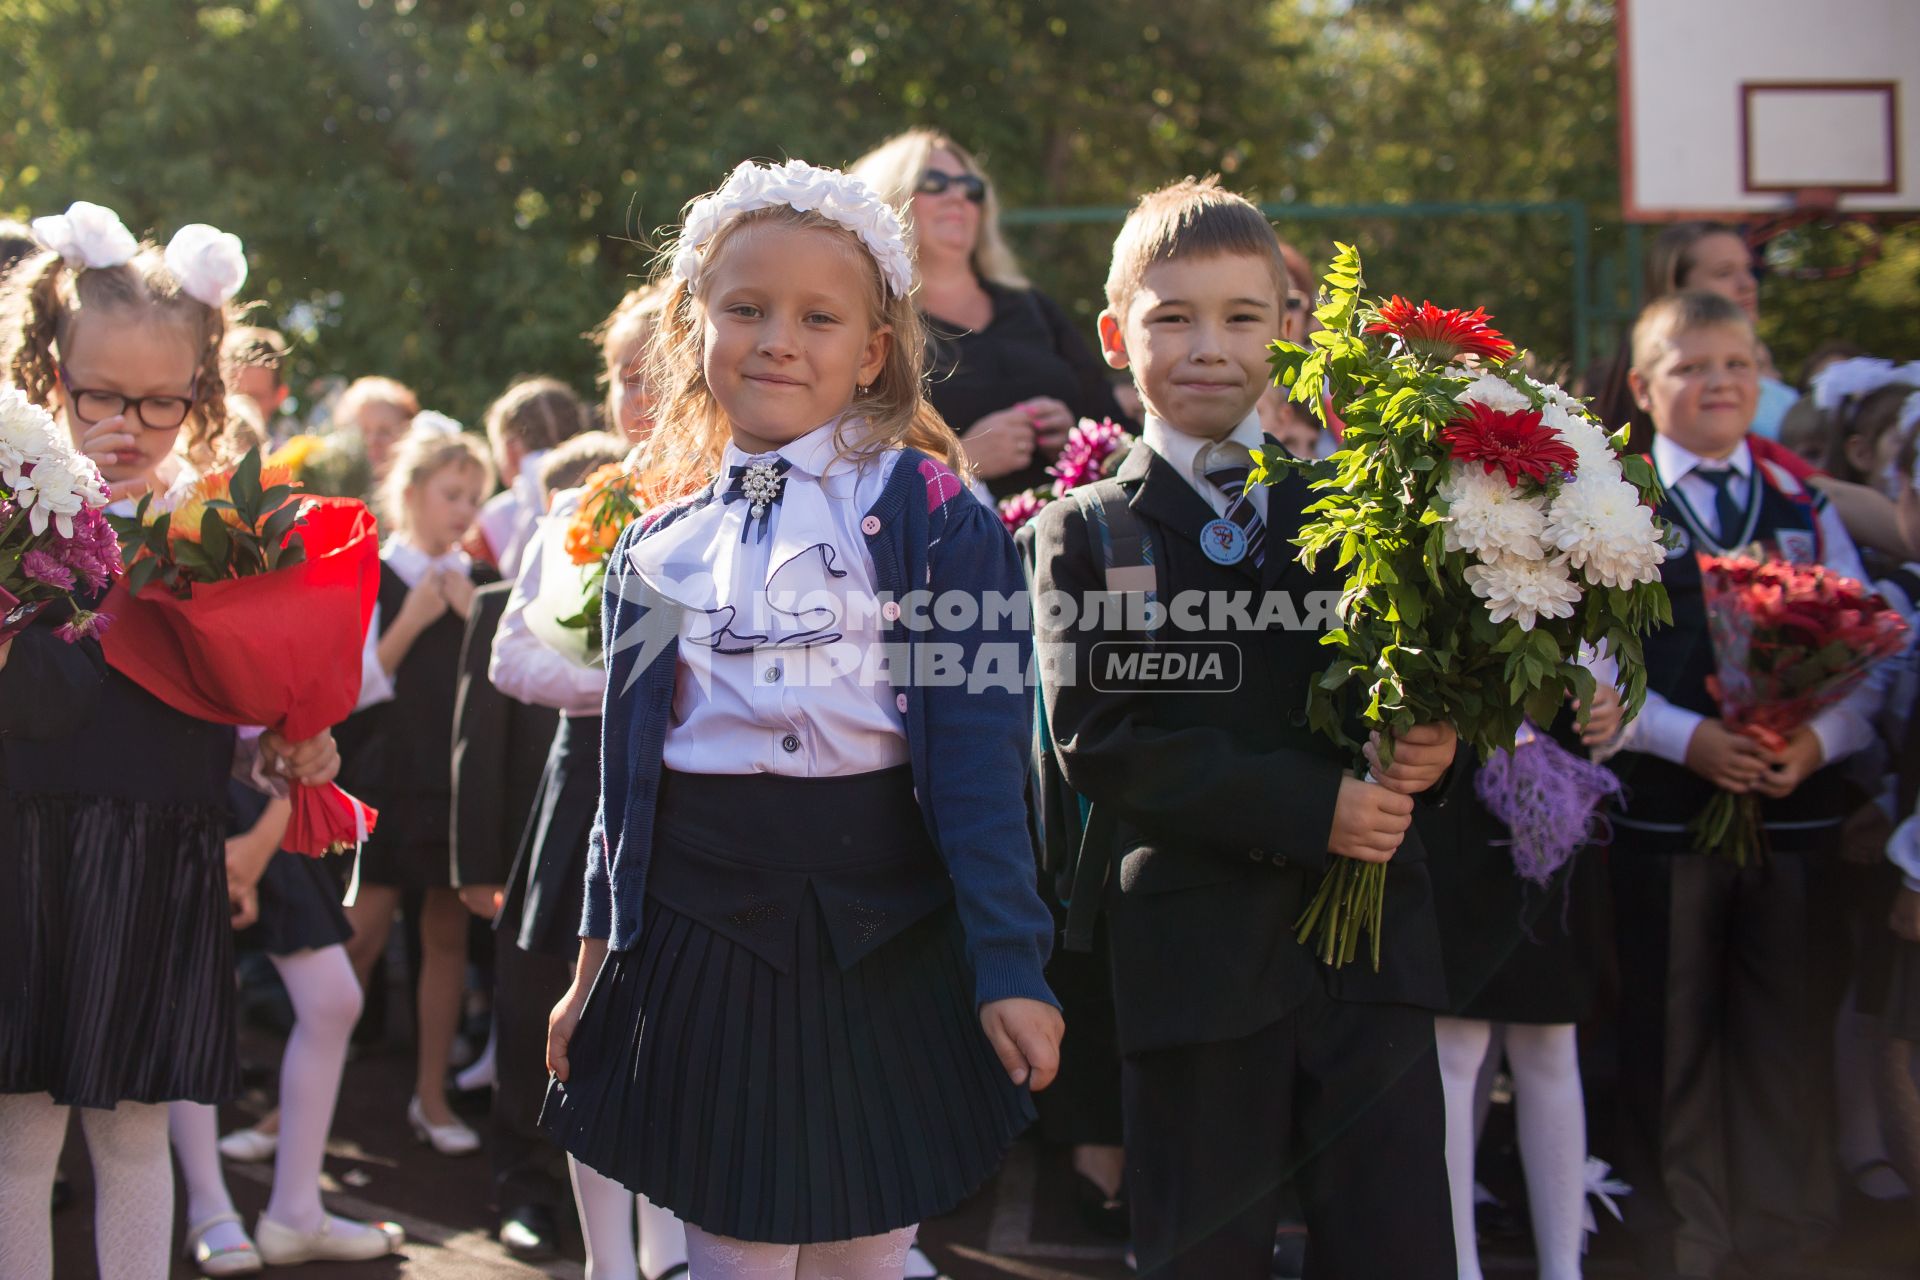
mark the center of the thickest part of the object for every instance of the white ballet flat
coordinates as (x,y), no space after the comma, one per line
(249,1146)
(448,1139)
(241,1259)
(337,1240)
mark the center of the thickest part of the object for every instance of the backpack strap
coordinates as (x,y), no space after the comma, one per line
(1128,566)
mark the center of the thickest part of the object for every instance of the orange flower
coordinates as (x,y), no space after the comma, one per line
(606,509)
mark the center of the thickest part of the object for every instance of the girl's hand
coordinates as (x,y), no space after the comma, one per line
(1026,1035)
(560,1028)
(104,442)
(312,763)
(1601,723)
(424,604)
(1369,821)
(245,902)
(482,900)
(456,589)
(1000,443)
(1051,421)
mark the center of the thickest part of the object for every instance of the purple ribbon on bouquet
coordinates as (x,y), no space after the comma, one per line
(1547,796)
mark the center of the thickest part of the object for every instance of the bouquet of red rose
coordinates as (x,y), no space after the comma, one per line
(54,535)
(1788,641)
(248,603)
(1093,451)
(1489,531)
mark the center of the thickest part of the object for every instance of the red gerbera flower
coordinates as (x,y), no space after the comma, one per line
(1517,443)
(1442,335)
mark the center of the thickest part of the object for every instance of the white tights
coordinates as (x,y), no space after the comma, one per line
(868,1258)
(606,1221)
(1552,1121)
(133,1187)
(326,1004)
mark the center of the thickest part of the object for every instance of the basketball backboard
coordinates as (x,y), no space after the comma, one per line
(1731,108)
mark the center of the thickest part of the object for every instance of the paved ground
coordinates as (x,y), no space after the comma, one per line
(1021,1226)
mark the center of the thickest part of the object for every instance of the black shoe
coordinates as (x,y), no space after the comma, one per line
(530,1233)
(1290,1252)
(1103,1214)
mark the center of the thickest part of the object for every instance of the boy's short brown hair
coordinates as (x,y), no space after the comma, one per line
(1194,218)
(1680,313)
(538,413)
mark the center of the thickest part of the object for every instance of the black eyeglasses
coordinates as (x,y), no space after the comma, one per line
(156,413)
(933,183)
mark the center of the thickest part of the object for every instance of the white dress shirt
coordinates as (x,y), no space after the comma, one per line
(1663,729)
(1191,456)
(779,635)
(522,666)
(507,519)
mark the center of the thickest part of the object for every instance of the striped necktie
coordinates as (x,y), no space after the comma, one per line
(1729,514)
(1228,473)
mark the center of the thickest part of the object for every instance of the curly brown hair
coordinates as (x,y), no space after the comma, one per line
(42,300)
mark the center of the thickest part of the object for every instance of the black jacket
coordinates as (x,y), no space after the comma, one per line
(499,752)
(1225,799)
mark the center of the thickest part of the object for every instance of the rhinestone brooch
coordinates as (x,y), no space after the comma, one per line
(760,485)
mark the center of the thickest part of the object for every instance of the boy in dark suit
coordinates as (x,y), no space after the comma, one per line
(1246,1063)
(1726,1035)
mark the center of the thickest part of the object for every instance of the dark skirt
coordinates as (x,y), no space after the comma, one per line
(1901,1012)
(404,861)
(299,907)
(1514,951)
(116,951)
(791,1053)
(541,907)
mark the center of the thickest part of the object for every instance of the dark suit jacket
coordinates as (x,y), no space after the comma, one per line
(1225,800)
(499,752)
(48,688)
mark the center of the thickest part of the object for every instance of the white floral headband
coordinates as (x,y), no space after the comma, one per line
(210,264)
(431,422)
(798,185)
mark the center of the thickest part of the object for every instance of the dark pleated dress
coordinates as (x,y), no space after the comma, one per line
(116,951)
(791,1052)
(1514,951)
(540,910)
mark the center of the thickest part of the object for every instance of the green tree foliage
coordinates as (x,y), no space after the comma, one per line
(453,193)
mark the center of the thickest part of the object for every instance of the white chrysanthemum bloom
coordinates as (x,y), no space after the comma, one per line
(1495,392)
(1599,523)
(1584,436)
(53,493)
(1556,395)
(1525,590)
(1488,518)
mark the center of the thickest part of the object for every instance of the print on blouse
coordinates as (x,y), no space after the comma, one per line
(814,624)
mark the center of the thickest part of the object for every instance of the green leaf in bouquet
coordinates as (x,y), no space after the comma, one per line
(213,536)
(244,487)
(274,498)
(141,574)
(280,523)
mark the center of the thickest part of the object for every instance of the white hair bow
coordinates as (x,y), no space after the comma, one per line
(87,235)
(431,422)
(209,263)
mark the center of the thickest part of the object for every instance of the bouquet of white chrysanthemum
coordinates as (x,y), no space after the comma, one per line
(54,536)
(1490,532)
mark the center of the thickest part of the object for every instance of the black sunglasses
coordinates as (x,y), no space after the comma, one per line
(933,183)
(156,413)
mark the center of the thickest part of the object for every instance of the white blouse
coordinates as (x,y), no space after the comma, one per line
(524,668)
(781,661)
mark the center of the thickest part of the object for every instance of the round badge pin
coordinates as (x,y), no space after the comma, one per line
(1223,542)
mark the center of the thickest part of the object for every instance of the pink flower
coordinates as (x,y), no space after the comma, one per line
(1018,508)
(1084,457)
(43,566)
(84,623)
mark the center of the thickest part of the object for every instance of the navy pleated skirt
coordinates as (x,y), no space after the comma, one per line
(791,1053)
(116,951)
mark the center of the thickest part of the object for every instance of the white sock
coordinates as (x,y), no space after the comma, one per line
(1462,1046)
(326,1003)
(606,1222)
(663,1239)
(1552,1119)
(133,1189)
(35,1131)
(195,1130)
(479,1074)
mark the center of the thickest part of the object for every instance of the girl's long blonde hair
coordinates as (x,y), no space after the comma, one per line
(691,431)
(42,300)
(419,456)
(894,169)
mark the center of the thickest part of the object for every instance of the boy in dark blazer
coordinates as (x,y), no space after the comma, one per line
(1247,1063)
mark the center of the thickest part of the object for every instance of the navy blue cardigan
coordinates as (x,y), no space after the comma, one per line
(968,747)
